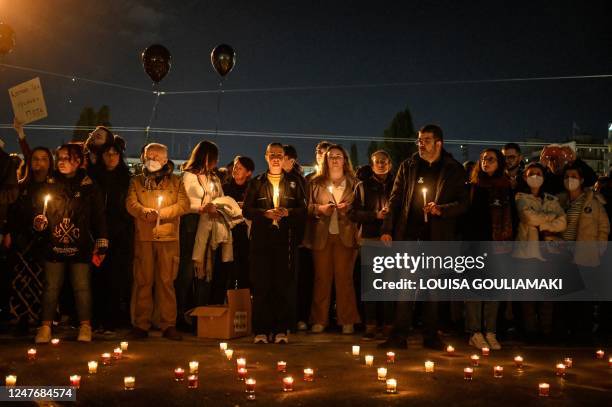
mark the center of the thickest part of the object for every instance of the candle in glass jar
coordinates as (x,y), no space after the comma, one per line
(281,366)
(369,360)
(610,362)
(468,373)
(543,389)
(382,373)
(106,358)
(498,372)
(75,381)
(355,350)
(31,354)
(193,367)
(129,383)
(568,362)
(240,362)
(250,385)
(485,351)
(429,367)
(124,346)
(390,357)
(10,380)
(242,372)
(117,353)
(308,375)
(391,386)
(192,381)
(92,367)
(222,346)
(560,371)
(518,361)
(55,342)
(179,374)
(599,354)
(450,350)
(229,353)
(475,360)
(288,383)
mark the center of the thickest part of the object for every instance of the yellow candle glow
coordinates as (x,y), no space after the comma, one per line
(288,383)
(381,373)
(75,381)
(425,202)
(47,199)
(281,366)
(117,353)
(391,386)
(369,360)
(498,372)
(192,381)
(250,385)
(92,367)
(10,380)
(31,354)
(179,374)
(124,346)
(475,360)
(129,383)
(518,361)
(355,350)
(308,375)
(560,371)
(242,372)
(450,349)
(468,373)
(55,341)
(193,367)
(240,362)
(543,389)
(610,362)
(222,346)
(568,362)
(600,354)
(106,358)
(229,353)
(390,357)
(429,367)
(485,351)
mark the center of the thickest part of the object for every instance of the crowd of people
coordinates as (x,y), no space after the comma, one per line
(142,248)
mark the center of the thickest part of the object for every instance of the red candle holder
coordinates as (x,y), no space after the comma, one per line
(32,354)
(179,374)
(475,360)
(242,372)
(288,384)
(543,389)
(192,381)
(281,366)
(560,369)
(468,373)
(498,372)
(105,358)
(390,357)
(75,381)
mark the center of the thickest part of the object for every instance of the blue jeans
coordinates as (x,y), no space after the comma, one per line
(80,278)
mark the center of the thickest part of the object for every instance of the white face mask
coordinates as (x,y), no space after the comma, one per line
(571,184)
(153,166)
(535,181)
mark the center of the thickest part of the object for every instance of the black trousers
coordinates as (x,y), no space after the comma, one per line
(404,313)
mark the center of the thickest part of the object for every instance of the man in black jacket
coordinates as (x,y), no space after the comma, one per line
(276,205)
(447,199)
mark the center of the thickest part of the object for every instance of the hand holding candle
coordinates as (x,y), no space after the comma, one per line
(424,190)
(47,199)
(159,203)
(275,202)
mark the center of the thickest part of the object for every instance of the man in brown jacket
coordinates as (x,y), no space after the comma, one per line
(156,199)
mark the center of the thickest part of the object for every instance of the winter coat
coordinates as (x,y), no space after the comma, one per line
(9,189)
(371,196)
(201,189)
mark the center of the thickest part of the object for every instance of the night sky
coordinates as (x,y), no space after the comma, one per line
(282,44)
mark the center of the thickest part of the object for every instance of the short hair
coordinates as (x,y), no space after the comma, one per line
(155,146)
(512,146)
(433,129)
(275,144)
(290,151)
(75,151)
(535,164)
(380,152)
(246,162)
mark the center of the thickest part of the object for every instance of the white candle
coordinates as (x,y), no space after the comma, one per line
(425,202)
(429,367)
(468,373)
(92,366)
(47,199)
(129,382)
(159,203)
(391,386)
(222,346)
(330,188)
(55,341)
(240,362)
(450,349)
(518,361)
(124,346)
(485,351)
(10,380)
(193,367)
(308,375)
(381,373)
(229,353)
(369,360)
(355,350)
(475,360)
(31,354)
(498,372)
(544,389)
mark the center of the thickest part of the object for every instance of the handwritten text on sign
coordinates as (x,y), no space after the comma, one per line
(28,101)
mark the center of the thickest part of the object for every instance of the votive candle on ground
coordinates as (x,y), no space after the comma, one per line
(382,373)
(308,375)
(229,353)
(560,369)
(485,351)
(450,350)
(250,385)
(429,367)
(468,373)
(600,354)
(179,374)
(518,361)
(55,342)
(194,367)
(242,372)
(288,383)
(92,367)
(32,354)
(281,366)
(240,362)
(390,357)
(10,380)
(568,362)
(117,353)
(543,389)
(192,381)
(222,346)
(124,346)
(129,383)
(369,360)
(75,380)
(475,360)
(355,350)
(391,386)
(498,372)
(106,358)
(610,362)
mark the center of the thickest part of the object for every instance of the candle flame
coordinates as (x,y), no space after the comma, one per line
(47,198)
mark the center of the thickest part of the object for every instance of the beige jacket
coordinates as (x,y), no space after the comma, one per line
(536,215)
(593,226)
(143,194)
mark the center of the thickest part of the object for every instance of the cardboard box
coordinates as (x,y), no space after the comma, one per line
(226,321)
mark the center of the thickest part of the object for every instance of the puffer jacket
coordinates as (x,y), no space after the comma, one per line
(536,215)
(144,191)
(593,226)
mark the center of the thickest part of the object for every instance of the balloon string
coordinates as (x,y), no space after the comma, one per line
(153,113)
(219,93)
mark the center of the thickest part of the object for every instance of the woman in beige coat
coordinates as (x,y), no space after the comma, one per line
(332,236)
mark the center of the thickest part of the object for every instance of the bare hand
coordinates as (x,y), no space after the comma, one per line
(283,212)
(386,239)
(198,269)
(273,214)
(342,208)
(433,209)
(150,215)
(18,126)
(40,223)
(327,209)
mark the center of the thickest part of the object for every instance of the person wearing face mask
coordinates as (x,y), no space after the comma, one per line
(156,199)
(540,215)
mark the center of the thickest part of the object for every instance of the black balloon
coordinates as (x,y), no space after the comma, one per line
(7,39)
(223,59)
(156,61)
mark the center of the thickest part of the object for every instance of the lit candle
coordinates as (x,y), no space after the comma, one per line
(193,367)
(47,199)
(281,366)
(468,373)
(485,351)
(475,360)
(544,389)
(308,375)
(355,350)
(498,372)
(250,385)
(75,380)
(275,202)
(425,202)
(124,346)
(390,357)
(117,353)
(382,373)
(179,374)
(450,350)
(10,380)
(288,383)
(129,383)
(222,346)
(599,354)
(159,202)
(92,366)
(330,188)
(568,362)
(192,381)
(518,361)
(429,367)
(229,353)
(610,362)
(55,342)
(391,386)
(242,372)
(560,369)
(369,360)
(32,354)
(106,358)
(240,362)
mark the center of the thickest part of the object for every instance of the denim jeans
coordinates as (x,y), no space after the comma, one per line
(478,313)
(80,278)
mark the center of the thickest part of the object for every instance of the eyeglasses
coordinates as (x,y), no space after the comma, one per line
(424,141)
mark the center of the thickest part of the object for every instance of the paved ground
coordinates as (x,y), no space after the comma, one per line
(340,378)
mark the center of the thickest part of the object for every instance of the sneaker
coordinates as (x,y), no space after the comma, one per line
(138,333)
(281,339)
(84,333)
(478,341)
(492,339)
(348,329)
(317,329)
(43,335)
(172,334)
(302,326)
(260,339)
